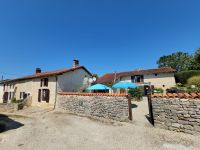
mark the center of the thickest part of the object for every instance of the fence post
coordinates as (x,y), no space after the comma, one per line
(150,108)
(129,107)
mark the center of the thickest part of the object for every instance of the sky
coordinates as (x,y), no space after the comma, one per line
(105,35)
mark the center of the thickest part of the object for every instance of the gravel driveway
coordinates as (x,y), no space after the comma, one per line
(52,130)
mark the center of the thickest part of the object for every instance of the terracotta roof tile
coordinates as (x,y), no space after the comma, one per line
(50,73)
(91,94)
(170,95)
(181,95)
(194,95)
(110,77)
(175,95)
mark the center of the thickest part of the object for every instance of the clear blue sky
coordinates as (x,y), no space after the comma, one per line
(105,35)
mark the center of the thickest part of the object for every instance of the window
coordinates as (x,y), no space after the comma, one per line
(156,74)
(43,95)
(44,82)
(137,78)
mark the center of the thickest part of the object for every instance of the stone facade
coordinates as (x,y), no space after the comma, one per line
(72,81)
(110,107)
(159,80)
(177,114)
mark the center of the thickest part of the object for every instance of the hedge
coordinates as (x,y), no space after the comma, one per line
(195,80)
(182,77)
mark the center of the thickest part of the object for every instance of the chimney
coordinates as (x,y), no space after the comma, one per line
(75,63)
(38,70)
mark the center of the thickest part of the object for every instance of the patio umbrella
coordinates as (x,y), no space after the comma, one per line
(98,87)
(124,85)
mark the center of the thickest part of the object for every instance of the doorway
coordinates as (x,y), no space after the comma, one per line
(43,95)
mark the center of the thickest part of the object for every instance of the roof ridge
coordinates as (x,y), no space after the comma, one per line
(48,73)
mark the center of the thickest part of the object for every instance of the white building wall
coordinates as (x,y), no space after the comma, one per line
(1,93)
(162,80)
(73,81)
(32,86)
(127,79)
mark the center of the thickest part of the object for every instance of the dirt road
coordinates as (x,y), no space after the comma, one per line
(52,130)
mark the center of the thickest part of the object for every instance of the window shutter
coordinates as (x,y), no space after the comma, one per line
(47,80)
(47,95)
(39,95)
(41,82)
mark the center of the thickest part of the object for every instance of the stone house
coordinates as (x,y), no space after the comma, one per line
(44,86)
(1,92)
(154,78)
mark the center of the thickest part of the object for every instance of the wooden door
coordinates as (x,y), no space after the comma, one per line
(5,97)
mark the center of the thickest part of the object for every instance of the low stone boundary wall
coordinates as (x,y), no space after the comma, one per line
(109,106)
(11,107)
(177,112)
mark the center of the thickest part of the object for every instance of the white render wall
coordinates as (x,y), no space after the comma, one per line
(1,93)
(32,86)
(73,81)
(158,81)
(67,82)
(166,79)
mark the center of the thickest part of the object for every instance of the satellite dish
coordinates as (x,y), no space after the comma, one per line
(90,80)
(94,79)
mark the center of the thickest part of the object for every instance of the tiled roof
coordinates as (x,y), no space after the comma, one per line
(91,94)
(109,78)
(176,95)
(50,73)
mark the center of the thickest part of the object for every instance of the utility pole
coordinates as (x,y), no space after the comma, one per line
(2,78)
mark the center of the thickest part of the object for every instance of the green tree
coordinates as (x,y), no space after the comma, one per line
(197,56)
(95,75)
(179,61)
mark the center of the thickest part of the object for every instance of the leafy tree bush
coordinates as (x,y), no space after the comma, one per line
(183,90)
(135,93)
(182,77)
(195,80)
(158,90)
(179,61)
(174,90)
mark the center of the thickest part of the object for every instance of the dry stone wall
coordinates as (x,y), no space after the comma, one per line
(110,107)
(177,114)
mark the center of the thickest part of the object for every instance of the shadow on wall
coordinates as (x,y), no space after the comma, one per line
(8,124)
(134,106)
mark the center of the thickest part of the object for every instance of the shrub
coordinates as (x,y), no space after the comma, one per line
(182,77)
(135,93)
(174,90)
(193,90)
(158,90)
(195,80)
(13,100)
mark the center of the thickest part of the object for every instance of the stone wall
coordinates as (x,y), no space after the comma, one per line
(11,107)
(111,107)
(177,114)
